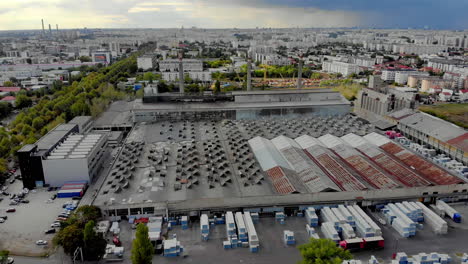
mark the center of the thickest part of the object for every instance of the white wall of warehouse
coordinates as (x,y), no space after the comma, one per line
(57,172)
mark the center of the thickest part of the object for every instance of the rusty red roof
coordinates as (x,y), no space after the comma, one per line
(9,89)
(404,175)
(337,173)
(280,181)
(460,142)
(425,168)
(370,174)
(8,98)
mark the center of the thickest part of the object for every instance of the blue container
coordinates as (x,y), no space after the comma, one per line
(457,218)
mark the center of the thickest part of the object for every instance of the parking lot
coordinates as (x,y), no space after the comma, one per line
(27,225)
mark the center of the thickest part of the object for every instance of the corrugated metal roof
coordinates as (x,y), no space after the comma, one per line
(425,168)
(377,139)
(330,141)
(309,173)
(280,182)
(266,153)
(391,166)
(330,164)
(306,141)
(354,158)
(433,126)
(282,142)
(460,142)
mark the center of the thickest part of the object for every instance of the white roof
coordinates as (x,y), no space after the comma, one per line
(330,141)
(267,154)
(283,142)
(354,140)
(307,141)
(377,139)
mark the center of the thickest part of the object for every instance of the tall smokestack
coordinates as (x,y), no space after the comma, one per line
(50,30)
(249,74)
(43,29)
(299,74)
(181,73)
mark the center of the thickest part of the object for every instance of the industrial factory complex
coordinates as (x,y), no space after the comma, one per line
(298,156)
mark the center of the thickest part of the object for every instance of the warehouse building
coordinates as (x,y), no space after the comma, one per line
(63,154)
(77,158)
(30,156)
(439,134)
(239,105)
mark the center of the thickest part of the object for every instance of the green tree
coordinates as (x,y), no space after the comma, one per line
(94,244)
(38,123)
(142,249)
(70,238)
(23,101)
(85,59)
(87,213)
(217,87)
(4,256)
(8,84)
(322,251)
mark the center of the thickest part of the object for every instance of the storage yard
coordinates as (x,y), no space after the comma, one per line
(347,224)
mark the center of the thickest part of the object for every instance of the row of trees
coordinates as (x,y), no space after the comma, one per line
(89,96)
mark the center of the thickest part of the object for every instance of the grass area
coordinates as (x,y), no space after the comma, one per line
(349,91)
(455,113)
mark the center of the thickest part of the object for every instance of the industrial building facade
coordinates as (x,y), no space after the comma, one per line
(245,105)
(78,158)
(62,155)
(437,133)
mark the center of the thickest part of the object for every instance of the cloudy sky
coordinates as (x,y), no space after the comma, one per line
(27,14)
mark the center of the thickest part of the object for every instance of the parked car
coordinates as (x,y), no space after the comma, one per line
(50,189)
(12,181)
(50,231)
(11,210)
(53,197)
(4,217)
(41,242)
(25,201)
(13,203)
(2,220)
(10,260)
(116,241)
(55,225)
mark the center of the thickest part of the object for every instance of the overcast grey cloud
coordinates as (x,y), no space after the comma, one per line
(26,14)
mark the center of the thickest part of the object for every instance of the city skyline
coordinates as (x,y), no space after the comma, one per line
(26,14)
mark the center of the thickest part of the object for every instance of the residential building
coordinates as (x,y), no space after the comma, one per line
(373,105)
(9,99)
(172,65)
(401,77)
(147,62)
(204,76)
(344,68)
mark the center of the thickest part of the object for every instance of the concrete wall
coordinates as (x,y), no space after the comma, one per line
(366,197)
(57,172)
(292,97)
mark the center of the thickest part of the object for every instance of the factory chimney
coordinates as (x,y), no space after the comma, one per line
(299,73)
(50,30)
(181,73)
(43,30)
(249,74)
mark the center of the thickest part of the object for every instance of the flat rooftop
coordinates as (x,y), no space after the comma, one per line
(49,140)
(205,159)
